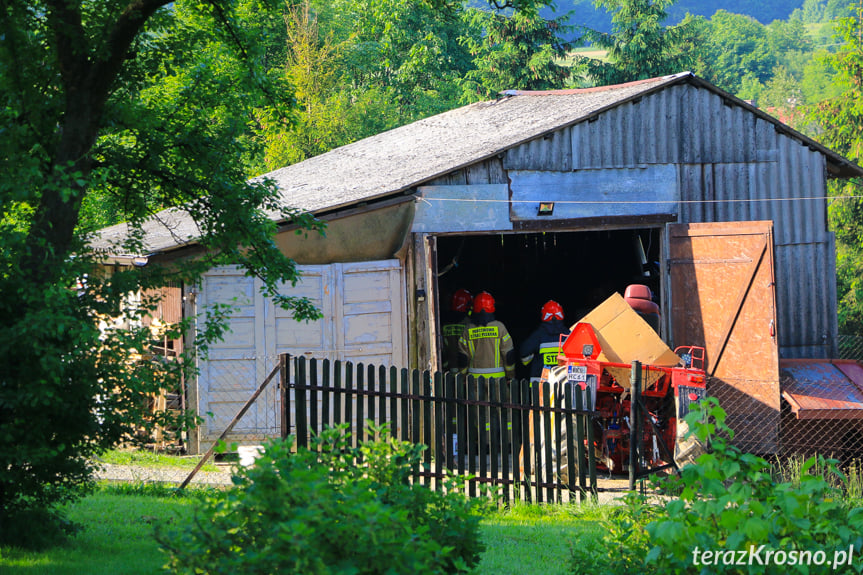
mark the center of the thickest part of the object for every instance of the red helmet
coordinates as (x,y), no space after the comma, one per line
(552,310)
(483,302)
(461,301)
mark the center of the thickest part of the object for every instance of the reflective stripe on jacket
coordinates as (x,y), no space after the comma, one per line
(487,348)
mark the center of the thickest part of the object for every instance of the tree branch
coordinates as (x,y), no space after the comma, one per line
(120,38)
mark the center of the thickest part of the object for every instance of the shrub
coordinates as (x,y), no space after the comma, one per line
(330,509)
(729,502)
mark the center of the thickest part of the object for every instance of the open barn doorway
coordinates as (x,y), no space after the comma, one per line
(522,271)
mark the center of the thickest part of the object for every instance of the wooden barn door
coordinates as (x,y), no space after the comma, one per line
(722,297)
(364,321)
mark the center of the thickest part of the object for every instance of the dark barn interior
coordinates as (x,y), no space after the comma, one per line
(522,271)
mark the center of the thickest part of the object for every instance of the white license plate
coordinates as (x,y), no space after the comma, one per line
(577,373)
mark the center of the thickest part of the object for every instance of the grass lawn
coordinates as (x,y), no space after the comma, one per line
(534,539)
(117,538)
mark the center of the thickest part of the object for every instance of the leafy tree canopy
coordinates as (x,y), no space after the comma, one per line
(839,121)
(640,45)
(111,110)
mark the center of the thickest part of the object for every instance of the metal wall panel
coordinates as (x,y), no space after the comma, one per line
(732,166)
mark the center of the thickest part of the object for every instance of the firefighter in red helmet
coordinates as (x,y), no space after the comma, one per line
(542,346)
(454,322)
(485,347)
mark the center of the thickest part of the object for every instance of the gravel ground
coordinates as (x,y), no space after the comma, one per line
(136,473)
(616,488)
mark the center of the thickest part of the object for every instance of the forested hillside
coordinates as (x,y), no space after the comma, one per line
(585,13)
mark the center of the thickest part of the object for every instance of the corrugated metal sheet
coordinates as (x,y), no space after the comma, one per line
(734,166)
(823,389)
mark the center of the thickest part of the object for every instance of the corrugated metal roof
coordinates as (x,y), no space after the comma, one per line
(825,389)
(400,159)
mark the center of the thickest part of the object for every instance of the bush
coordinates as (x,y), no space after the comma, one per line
(330,509)
(728,502)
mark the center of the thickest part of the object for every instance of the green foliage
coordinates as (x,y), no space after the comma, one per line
(728,501)
(736,45)
(38,528)
(838,122)
(360,67)
(330,509)
(518,51)
(639,45)
(108,114)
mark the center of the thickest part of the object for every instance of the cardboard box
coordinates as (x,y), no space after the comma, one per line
(625,337)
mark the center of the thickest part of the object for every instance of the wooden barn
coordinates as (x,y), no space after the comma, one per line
(568,195)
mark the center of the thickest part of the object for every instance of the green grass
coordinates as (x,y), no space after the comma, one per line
(536,539)
(116,538)
(119,520)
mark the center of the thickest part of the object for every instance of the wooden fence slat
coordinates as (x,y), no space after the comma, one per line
(417,412)
(556,438)
(443,442)
(382,398)
(537,440)
(472,435)
(506,428)
(404,387)
(515,399)
(461,427)
(570,440)
(349,402)
(527,448)
(313,397)
(427,423)
(285,392)
(582,461)
(547,444)
(325,394)
(337,392)
(370,385)
(302,418)
(483,425)
(591,451)
(494,441)
(448,421)
(359,426)
(393,388)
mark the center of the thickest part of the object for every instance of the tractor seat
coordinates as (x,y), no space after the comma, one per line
(640,298)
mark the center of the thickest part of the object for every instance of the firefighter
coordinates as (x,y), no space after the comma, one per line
(542,346)
(485,346)
(453,326)
(485,350)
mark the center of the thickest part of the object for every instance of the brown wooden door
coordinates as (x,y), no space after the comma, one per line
(722,297)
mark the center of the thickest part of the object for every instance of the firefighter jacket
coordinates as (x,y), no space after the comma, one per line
(486,348)
(453,326)
(542,346)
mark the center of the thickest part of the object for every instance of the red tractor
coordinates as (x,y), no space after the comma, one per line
(666,391)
